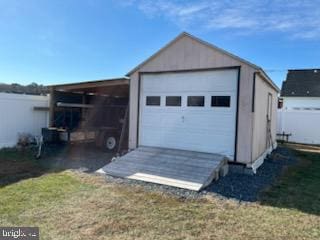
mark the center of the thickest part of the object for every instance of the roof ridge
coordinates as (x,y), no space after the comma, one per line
(199,40)
(222,50)
(210,45)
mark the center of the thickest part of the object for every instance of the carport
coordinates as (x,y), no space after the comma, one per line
(90,112)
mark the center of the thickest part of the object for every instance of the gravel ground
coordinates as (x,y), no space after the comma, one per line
(245,187)
(239,186)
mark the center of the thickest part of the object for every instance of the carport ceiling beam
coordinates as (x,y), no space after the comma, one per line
(83,86)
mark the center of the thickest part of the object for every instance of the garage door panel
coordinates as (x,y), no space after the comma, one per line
(194,141)
(181,141)
(211,121)
(182,131)
(206,128)
(184,82)
(166,123)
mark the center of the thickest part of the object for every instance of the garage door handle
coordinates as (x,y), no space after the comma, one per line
(182,118)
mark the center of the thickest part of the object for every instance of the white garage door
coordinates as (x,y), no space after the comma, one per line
(193,111)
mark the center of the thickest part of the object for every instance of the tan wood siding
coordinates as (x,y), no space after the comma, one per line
(259,141)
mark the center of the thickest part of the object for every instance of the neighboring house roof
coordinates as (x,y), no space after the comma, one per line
(301,83)
(184,34)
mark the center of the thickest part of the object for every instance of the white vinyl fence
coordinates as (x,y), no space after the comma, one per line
(17,116)
(304,125)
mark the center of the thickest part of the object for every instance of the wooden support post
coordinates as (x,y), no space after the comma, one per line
(124,127)
(84,111)
(52,107)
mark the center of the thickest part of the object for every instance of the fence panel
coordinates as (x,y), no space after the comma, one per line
(304,125)
(18,116)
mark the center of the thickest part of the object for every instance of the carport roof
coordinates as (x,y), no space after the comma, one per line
(114,86)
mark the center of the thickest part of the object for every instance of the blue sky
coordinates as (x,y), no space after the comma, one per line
(51,42)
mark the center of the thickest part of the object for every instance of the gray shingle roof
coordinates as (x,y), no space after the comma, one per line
(302,83)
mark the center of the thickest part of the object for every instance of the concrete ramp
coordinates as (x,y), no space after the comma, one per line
(178,168)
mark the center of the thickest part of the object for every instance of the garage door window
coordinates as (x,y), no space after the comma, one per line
(173,101)
(153,101)
(220,101)
(195,101)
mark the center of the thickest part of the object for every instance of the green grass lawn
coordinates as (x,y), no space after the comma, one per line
(299,188)
(69,205)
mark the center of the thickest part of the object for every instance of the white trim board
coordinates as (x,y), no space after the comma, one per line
(260,160)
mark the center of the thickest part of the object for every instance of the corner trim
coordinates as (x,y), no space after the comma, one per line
(260,160)
(237,116)
(129,113)
(253,91)
(138,114)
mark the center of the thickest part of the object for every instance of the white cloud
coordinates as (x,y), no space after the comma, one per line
(297,18)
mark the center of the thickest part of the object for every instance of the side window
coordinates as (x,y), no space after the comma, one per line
(195,101)
(173,101)
(220,101)
(153,101)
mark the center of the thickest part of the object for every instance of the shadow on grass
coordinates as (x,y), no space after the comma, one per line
(17,165)
(86,157)
(299,186)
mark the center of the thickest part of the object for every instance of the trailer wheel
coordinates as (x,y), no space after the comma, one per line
(110,143)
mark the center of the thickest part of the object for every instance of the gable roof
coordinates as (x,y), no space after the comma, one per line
(301,83)
(185,34)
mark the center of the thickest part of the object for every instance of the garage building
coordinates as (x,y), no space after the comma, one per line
(194,109)
(194,96)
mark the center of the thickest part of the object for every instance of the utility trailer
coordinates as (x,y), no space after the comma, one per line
(108,136)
